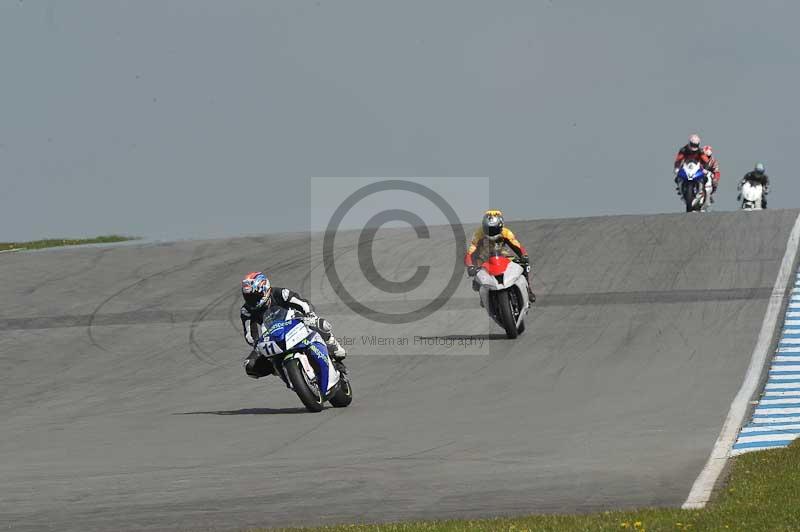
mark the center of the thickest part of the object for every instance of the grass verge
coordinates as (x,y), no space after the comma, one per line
(762,494)
(58,242)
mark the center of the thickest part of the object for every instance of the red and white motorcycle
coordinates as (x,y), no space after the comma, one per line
(504,292)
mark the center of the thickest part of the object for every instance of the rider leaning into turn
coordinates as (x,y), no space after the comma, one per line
(259,296)
(757,175)
(491,233)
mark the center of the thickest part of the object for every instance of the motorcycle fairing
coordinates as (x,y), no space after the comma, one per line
(284,333)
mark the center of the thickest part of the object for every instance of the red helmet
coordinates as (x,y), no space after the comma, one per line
(694,142)
(708,150)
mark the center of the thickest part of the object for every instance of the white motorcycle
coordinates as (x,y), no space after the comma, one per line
(504,292)
(695,185)
(751,194)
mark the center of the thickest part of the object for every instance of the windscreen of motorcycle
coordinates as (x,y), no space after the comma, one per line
(488,248)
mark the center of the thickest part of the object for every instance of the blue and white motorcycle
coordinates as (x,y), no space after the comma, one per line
(300,358)
(695,186)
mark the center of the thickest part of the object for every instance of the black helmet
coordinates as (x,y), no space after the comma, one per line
(492,224)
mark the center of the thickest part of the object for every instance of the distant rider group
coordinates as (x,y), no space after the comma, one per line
(692,152)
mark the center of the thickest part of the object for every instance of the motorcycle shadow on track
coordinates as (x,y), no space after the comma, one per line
(246,412)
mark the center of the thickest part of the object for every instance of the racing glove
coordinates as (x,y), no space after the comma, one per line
(472,270)
(525,262)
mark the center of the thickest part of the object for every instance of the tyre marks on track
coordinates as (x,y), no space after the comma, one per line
(161,273)
(210,313)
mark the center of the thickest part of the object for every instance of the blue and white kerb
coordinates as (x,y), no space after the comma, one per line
(776,420)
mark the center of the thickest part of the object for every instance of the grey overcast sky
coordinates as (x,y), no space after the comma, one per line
(193,118)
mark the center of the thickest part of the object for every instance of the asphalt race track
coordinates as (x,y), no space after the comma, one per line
(123,405)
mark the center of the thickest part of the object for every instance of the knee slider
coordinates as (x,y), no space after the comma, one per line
(324,325)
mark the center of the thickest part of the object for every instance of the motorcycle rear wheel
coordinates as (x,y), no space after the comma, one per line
(344,394)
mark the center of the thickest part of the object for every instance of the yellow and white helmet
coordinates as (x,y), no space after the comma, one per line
(492,224)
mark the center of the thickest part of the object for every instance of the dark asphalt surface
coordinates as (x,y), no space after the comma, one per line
(123,405)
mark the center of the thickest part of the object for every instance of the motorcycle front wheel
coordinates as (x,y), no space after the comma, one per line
(688,197)
(308,392)
(506,313)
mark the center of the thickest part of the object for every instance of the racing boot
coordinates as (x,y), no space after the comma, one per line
(335,349)
(531,295)
(257,366)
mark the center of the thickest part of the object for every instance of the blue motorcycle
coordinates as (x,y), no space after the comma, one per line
(300,358)
(692,180)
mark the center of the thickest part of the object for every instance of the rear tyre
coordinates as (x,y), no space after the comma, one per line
(506,313)
(344,394)
(307,392)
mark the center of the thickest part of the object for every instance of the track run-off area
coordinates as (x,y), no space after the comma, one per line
(123,404)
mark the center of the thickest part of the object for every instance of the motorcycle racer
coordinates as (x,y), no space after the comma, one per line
(493,232)
(713,169)
(691,152)
(757,175)
(259,296)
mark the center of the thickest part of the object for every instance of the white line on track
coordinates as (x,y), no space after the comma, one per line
(767,419)
(782,401)
(782,386)
(788,426)
(784,377)
(766,437)
(776,410)
(700,493)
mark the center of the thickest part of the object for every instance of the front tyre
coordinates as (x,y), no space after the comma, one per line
(308,392)
(688,196)
(506,313)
